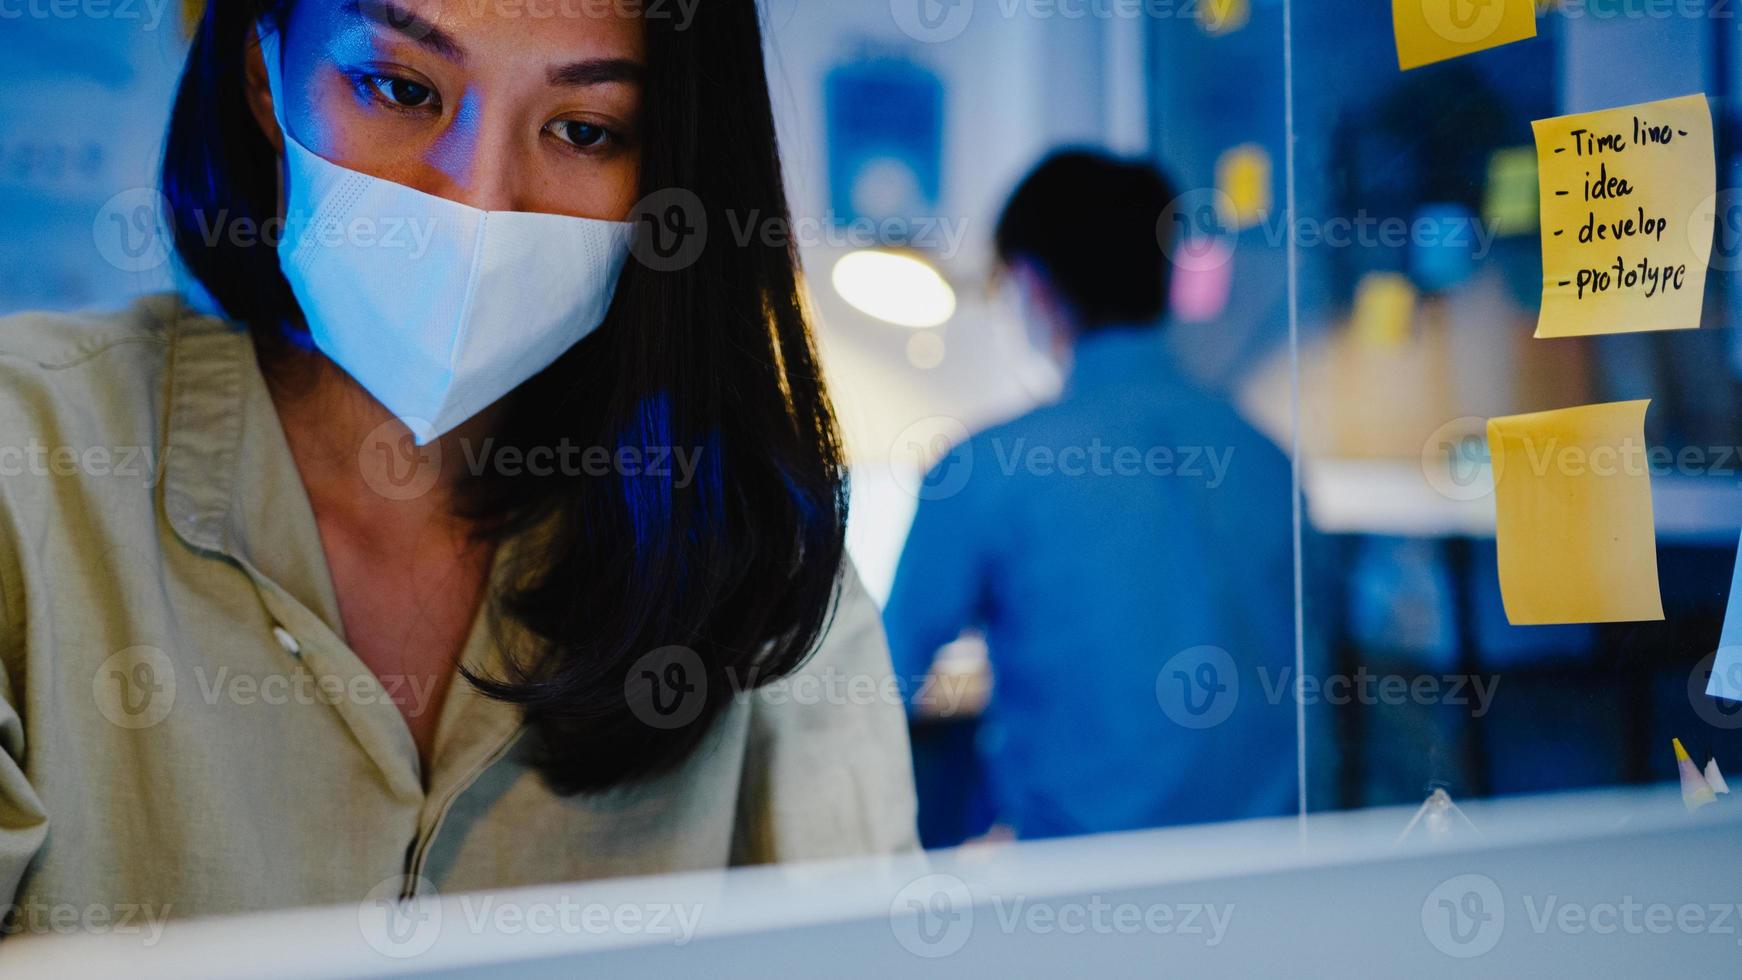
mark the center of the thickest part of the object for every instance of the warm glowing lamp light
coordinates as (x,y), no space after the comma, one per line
(894,286)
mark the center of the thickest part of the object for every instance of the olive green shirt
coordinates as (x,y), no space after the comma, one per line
(185,730)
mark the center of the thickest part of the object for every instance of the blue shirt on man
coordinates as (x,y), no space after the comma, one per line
(1127,551)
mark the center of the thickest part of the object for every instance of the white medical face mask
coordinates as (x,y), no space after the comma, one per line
(437,308)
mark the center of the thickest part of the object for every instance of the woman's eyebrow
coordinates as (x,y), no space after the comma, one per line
(596,71)
(407,24)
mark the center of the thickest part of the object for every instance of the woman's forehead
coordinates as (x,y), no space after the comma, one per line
(464,31)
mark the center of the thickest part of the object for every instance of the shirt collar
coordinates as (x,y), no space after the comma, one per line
(204,428)
(231,486)
(1120,352)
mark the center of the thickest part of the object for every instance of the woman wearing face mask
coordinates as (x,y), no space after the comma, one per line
(466,540)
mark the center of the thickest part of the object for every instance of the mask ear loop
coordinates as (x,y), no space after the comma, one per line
(267,39)
(332,204)
(272,55)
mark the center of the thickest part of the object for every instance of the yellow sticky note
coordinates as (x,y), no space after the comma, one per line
(1223,16)
(1384,309)
(1435,30)
(1243,175)
(1627,199)
(1573,525)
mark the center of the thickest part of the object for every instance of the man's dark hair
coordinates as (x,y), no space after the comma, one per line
(1091,223)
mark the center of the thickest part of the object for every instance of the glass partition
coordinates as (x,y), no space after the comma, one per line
(1416,252)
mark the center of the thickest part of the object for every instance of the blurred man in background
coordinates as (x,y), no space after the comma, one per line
(1127,550)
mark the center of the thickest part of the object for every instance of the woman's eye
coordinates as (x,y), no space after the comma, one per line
(581,135)
(401,93)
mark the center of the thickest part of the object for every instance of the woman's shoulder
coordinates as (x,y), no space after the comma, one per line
(86,375)
(53,340)
(829,746)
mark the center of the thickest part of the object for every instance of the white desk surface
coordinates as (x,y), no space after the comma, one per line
(324,942)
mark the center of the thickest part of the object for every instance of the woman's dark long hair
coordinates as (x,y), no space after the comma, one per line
(736,565)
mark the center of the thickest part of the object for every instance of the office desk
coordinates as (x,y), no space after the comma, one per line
(1600,883)
(1394,497)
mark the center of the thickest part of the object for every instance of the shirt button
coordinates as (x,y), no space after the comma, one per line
(288,642)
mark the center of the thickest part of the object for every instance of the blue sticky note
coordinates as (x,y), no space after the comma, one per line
(1726,679)
(1442,249)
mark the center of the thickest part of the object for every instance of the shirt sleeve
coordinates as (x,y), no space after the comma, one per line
(23,816)
(940,581)
(23,819)
(828,772)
